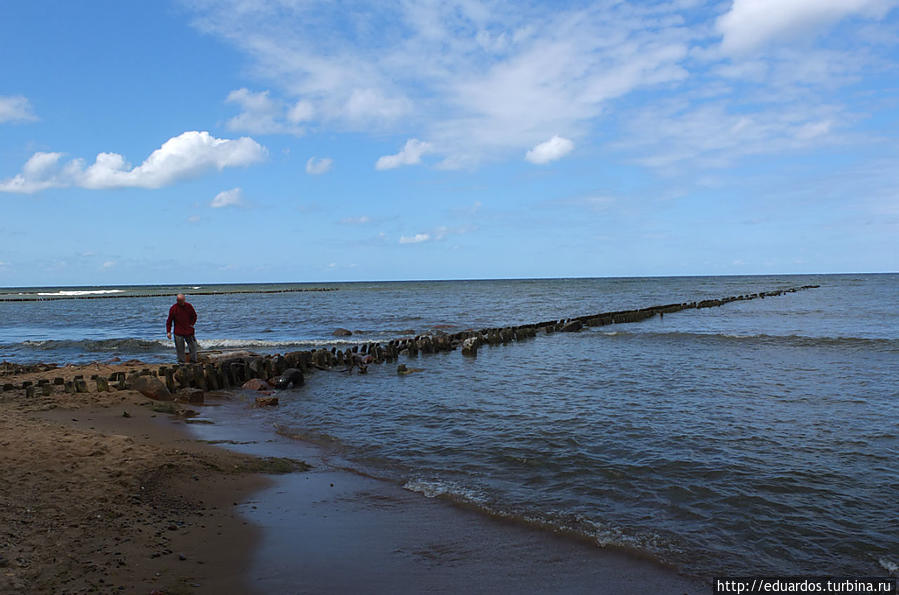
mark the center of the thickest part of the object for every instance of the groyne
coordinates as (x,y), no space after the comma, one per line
(227,371)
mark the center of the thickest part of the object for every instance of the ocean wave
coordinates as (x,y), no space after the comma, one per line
(604,535)
(77,292)
(449,490)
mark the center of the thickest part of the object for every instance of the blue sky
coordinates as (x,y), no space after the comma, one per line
(299,140)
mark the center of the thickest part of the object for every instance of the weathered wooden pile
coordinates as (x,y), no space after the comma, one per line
(233,371)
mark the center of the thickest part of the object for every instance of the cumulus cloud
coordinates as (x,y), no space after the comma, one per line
(317,166)
(410,154)
(227,198)
(551,150)
(184,156)
(751,23)
(16,108)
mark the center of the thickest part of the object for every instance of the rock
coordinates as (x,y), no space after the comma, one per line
(402,370)
(150,386)
(256,384)
(572,327)
(342,332)
(470,347)
(291,378)
(266,401)
(190,395)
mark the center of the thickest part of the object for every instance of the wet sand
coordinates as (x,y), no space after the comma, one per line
(96,501)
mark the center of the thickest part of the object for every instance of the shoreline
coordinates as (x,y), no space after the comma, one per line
(348,531)
(100,501)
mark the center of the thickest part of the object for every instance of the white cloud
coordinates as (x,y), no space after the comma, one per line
(410,154)
(551,150)
(416,239)
(263,115)
(356,220)
(108,264)
(316,166)
(194,219)
(184,156)
(16,108)
(752,23)
(476,80)
(227,198)
(436,235)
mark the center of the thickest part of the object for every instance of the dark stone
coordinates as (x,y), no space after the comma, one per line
(342,332)
(291,378)
(150,386)
(80,385)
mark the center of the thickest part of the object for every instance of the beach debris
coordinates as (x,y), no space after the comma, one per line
(256,384)
(150,386)
(266,401)
(342,332)
(125,414)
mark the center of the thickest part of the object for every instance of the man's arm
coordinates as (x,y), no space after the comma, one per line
(193,316)
(168,324)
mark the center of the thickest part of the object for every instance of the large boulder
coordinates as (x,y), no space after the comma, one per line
(150,386)
(342,332)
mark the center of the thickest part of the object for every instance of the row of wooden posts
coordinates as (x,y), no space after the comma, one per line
(228,372)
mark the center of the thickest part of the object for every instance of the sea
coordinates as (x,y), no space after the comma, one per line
(760,437)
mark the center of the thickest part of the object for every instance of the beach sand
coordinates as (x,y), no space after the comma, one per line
(94,501)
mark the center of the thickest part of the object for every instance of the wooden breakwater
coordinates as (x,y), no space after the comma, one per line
(228,371)
(108,296)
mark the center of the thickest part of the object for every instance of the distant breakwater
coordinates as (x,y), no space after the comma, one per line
(225,371)
(47,298)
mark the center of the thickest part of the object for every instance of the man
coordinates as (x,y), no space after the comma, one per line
(184,317)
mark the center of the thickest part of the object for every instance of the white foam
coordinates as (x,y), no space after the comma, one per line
(432,488)
(888,565)
(82,292)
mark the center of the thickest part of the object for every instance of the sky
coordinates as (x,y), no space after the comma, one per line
(302,140)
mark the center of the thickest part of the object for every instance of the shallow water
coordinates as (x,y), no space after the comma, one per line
(758,437)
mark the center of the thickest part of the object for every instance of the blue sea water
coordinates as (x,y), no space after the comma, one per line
(758,437)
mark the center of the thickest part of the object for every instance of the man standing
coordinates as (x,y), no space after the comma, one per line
(184,317)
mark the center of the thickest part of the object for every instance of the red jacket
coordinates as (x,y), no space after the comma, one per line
(184,316)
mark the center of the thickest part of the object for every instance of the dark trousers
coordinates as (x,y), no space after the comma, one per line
(191,341)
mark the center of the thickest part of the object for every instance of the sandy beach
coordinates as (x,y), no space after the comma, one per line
(103,494)
(110,492)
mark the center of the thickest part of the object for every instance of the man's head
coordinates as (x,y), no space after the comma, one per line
(180,298)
